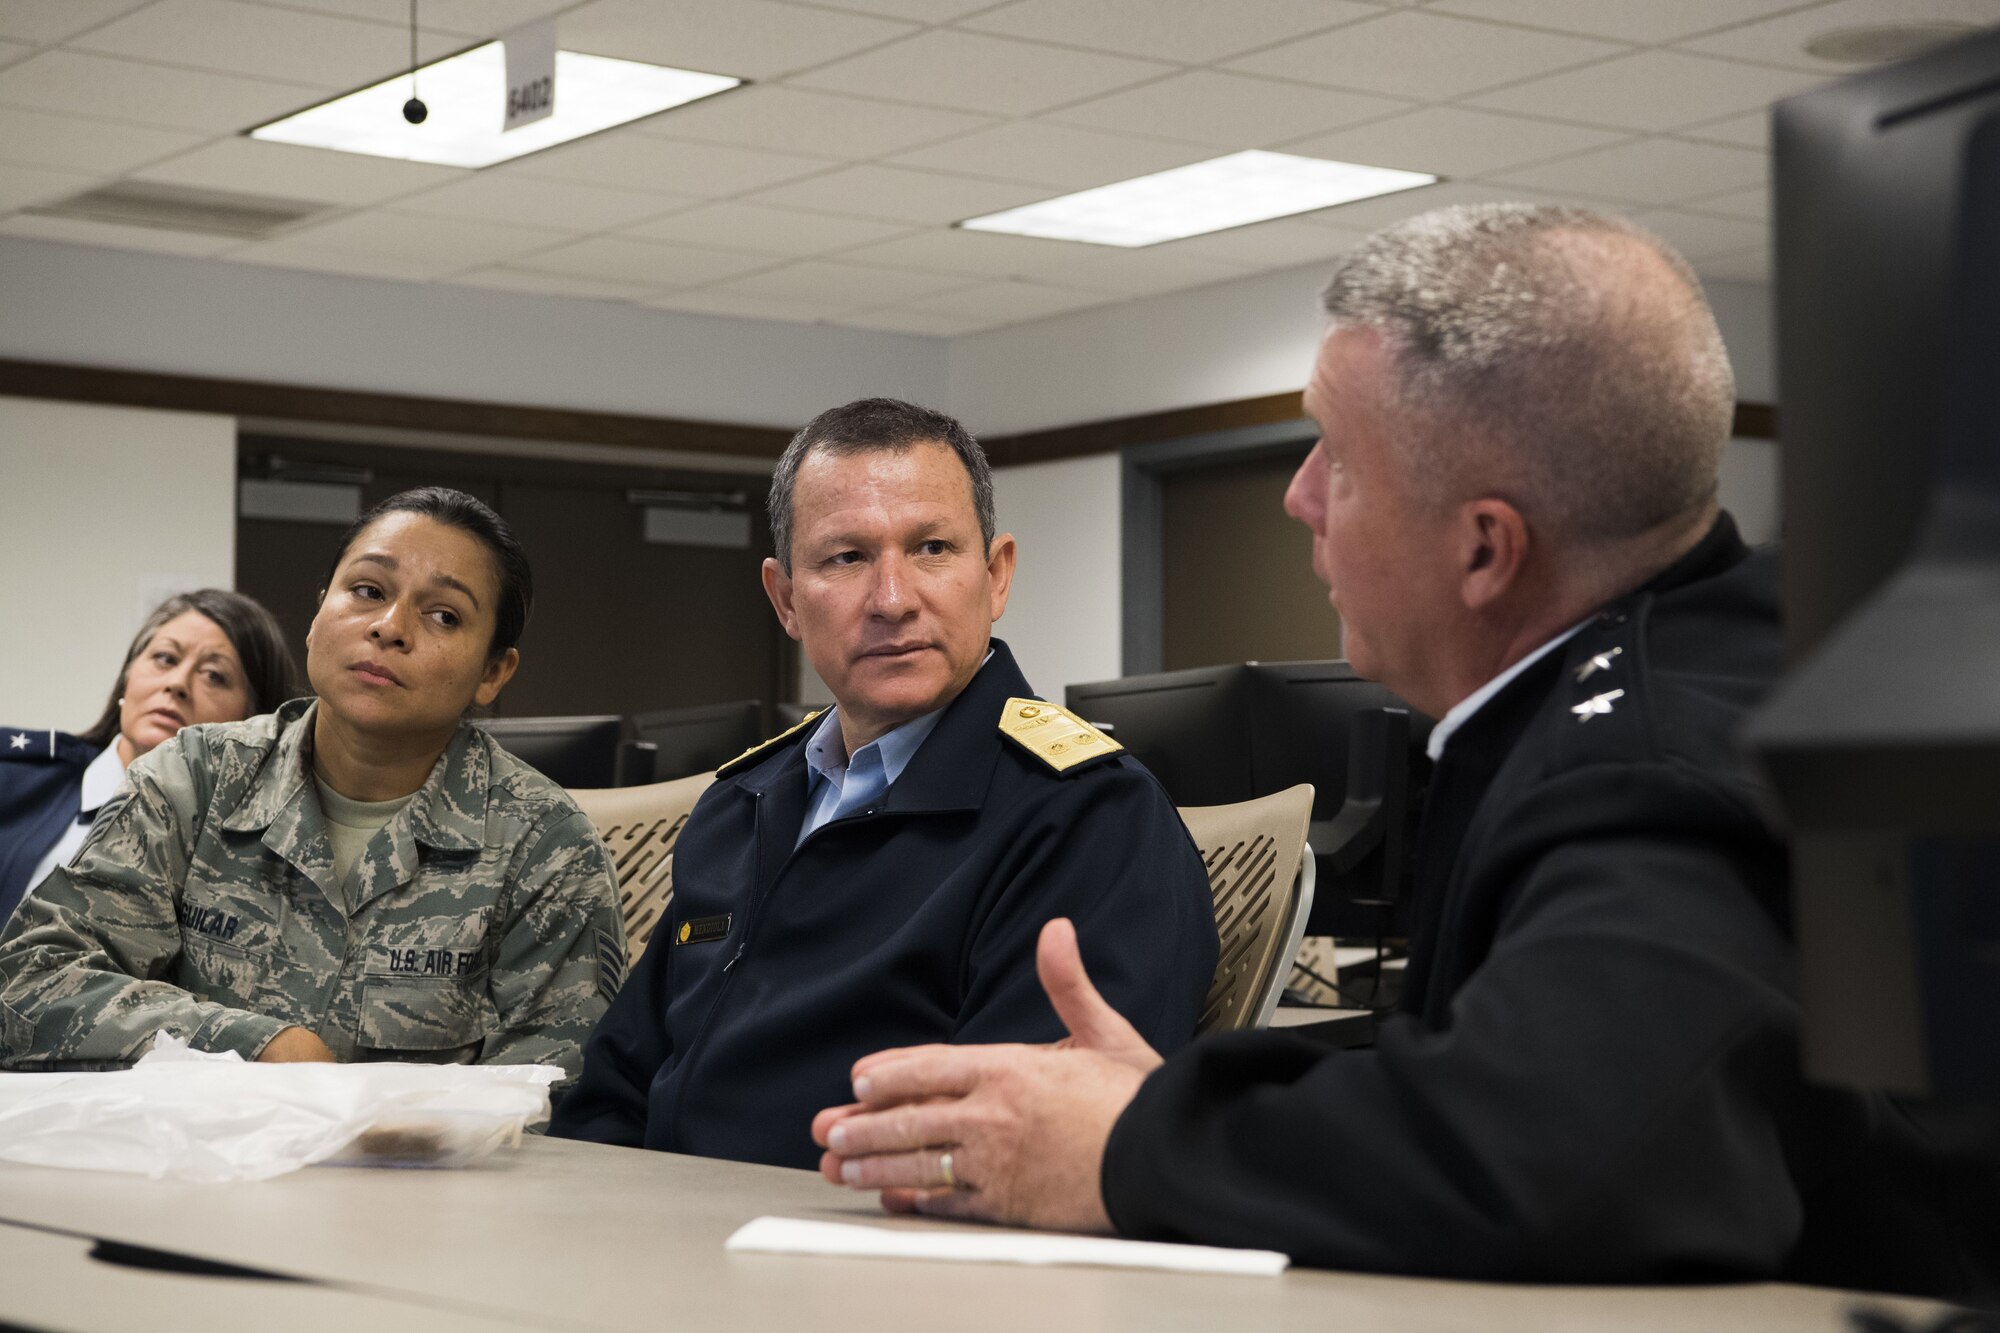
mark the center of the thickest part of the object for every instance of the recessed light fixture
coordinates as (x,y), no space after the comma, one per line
(467,97)
(1215,195)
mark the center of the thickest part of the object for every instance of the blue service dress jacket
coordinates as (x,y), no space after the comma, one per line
(1595,1074)
(41,785)
(913,921)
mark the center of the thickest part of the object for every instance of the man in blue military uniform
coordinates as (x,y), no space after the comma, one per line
(879,875)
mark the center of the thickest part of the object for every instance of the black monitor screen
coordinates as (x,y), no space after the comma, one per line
(569,751)
(1305,715)
(699,740)
(1191,728)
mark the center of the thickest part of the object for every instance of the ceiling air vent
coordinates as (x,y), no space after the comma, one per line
(181,208)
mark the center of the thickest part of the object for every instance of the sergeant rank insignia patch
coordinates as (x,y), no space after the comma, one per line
(1056,736)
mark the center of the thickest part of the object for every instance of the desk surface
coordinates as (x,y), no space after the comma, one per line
(568,1235)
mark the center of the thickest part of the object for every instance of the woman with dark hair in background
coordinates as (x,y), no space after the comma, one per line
(206,656)
(360,876)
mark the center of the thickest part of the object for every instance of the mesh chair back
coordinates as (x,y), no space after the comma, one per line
(641,825)
(1261,873)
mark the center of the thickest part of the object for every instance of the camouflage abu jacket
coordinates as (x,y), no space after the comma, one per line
(484,924)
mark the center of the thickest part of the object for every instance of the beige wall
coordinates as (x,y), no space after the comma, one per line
(104,511)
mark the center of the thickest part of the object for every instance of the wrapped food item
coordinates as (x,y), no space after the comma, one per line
(195,1116)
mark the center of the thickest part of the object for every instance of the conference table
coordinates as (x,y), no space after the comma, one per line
(560,1235)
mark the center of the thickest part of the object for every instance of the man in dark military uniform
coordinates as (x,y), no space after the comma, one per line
(41,781)
(879,875)
(1595,1073)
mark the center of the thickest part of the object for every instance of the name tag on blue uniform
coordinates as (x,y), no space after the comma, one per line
(702,929)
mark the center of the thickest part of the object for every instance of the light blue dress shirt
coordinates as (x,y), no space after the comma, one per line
(837,786)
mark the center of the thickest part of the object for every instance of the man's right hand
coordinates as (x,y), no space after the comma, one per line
(295,1045)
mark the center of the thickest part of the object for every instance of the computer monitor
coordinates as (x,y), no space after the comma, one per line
(569,751)
(688,741)
(1215,735)
(1884,741)
(1191,728)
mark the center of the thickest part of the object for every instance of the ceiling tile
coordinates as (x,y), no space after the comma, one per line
(116,89)
(1648,171)
(1366,215)
(744,305)
(1652,90)
(976,253)
(477,18)
(39,22)
(1137,272)
(548,284)
(1008,302)
(798,121)
(381,233)
(752,39)
(1745,266)
(1056,155)
(615,258)
(1698,236)
(1423,55)
(637,161)
(1279,244)
(1453,141)
(1192,32)
(892,320)
(1782,40)
(73,143)
(503,196)
(22,186)
(920,11)
(1751,131)
(288,45)
(1754,204)
(770,231)
(10,52)
(900,195)
(84,231)
(1227,110)
(851,284)
(287,171)
(1647,21)
(286,253)
(971,72)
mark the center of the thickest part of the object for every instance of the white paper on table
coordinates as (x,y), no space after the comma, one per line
(791,1235)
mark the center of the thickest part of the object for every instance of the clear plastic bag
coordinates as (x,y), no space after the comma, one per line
(195,1116)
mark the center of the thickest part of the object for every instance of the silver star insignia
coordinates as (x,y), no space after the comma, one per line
(1601,662)
(18,741)
(1600,706)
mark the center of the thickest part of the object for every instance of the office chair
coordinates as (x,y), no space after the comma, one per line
(1261,873)
(640,825)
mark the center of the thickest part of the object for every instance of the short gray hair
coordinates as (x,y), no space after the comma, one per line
(870,425)
(1545,365)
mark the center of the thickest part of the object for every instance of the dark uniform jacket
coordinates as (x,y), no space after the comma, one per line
(911,922)
(41,784)
(1595,1076)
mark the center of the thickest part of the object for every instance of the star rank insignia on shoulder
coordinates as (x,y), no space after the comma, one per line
(762,748)
(1054,735)
(1598,705)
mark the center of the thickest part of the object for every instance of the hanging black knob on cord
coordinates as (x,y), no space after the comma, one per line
(414,110)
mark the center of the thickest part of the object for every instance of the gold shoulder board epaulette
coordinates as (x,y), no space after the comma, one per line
(762,748)
(1056,736)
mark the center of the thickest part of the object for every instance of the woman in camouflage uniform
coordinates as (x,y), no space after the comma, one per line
(360,876)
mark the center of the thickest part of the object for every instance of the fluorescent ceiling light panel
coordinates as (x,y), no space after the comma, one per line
(1202,197)
(467,97)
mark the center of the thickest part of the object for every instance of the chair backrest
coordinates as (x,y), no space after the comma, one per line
(641,825)
(1261,873)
